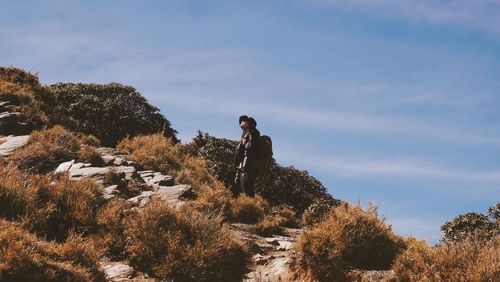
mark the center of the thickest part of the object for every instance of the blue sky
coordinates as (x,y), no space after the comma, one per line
(391,102)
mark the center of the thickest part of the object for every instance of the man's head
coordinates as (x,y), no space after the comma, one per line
(247,122)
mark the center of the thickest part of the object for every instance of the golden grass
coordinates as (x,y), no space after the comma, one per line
(49,206)
(30,110)
(24,257)
(46,149)
(88,154)
(348,238)
(154,152)
(466,260)
(249,209)
(183,245)
(90,140)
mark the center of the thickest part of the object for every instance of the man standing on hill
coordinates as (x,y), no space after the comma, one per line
(245,157)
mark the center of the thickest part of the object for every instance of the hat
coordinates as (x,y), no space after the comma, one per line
(243,118)
(253,123)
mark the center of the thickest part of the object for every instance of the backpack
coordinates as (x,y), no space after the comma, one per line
(264,154)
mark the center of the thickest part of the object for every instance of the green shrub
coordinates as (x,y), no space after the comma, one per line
(348,238)
(473,225)
(279,185)
(318,209)
(183,245)
(110,112)
(46,149)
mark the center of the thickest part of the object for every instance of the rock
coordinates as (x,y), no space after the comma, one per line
(10,143)
(108,159)
(119,161)
(10,124)
(64,167)
(105,151)
(110,192)
(117,271)
(161,180)
(142,199)
(130,171)
(77,173)
(174,194)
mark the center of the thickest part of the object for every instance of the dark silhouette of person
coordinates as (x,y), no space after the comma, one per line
(245,158)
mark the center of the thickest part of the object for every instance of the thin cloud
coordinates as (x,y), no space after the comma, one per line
(396,168)
(480,14)
(331,120)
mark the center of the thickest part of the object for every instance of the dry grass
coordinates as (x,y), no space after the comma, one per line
(154,152)
(269,226)
(185,245)
(249,210)
(49,206)
(214,201)
(46,149)
(348,238)
(110,219)
(467,260)
(88,154)
(194,171)
(26,258)
(90,140)
(30,110)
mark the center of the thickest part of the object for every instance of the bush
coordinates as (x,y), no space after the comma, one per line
(110,112)
(111,222)
(195,172)
(217,201)
(183,245)
(249,209)
(465,260)
(279,185)
(154,152)
(30,94)
(27,258)
(348,238)
(315,213)
(46,149)
(90,140)
(88,154)
(473,226)
(285,216)
(50,206)
(269,226)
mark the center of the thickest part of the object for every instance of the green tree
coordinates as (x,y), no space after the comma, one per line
(110,112)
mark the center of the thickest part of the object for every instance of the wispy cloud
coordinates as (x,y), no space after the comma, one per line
(480,14)
(414,168)
(352,122)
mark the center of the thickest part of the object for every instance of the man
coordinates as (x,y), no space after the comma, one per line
(245,157)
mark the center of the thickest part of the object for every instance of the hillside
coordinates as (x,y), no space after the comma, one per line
(95,186)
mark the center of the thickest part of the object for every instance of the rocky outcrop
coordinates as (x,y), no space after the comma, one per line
(9,120)
(9,143)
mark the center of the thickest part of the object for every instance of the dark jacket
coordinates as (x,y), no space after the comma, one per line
(247,147)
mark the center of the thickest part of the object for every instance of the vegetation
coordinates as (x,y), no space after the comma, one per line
(154,152)
(46,149)
(473,226)
(348,238)
(465,260)
(185,245)
(110,112)
(49,206)
(24,257)
(279,186)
